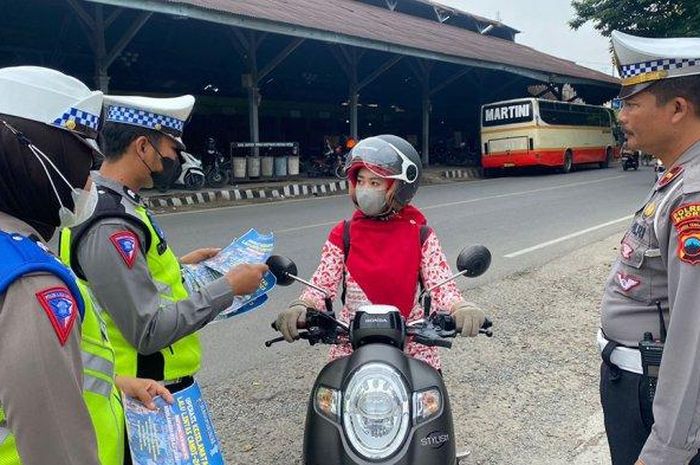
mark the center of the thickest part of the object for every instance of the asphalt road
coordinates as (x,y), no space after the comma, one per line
(525,221)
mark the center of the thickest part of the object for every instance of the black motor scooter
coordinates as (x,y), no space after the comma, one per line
(630,161)
(378,406)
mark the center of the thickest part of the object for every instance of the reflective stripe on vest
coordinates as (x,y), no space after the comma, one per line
(97,385)
(96,363)
(4,432)
(183,357)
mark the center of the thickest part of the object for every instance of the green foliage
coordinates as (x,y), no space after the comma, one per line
(647,18)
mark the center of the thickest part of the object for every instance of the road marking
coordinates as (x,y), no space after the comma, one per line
(513,194)
(567,237)
(308,226)
(490,197)
(434,186)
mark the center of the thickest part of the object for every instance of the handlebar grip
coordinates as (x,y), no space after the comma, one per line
(442,343)
(487,324)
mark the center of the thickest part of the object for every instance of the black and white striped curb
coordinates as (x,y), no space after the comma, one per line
(232,195)
(467,173)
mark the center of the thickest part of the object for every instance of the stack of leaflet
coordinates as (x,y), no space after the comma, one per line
(252,247)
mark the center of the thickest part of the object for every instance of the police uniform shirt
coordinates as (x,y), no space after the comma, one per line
(659,260)
(41,372)
(129,294)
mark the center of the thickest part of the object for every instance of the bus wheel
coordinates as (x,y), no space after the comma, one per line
(608,157)
(568,162)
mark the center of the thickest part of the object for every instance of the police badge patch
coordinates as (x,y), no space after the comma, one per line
(627,282)
(686,220)
(61,308)
(127,245)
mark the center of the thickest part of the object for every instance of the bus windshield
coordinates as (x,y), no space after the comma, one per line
(506,113)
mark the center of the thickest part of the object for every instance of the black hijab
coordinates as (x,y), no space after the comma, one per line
(25,189)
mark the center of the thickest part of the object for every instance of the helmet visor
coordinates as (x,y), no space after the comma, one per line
(386,161)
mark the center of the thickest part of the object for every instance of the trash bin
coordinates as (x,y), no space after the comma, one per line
(281,166)
(267,163)
(293,165)
(253,167)
(239,167)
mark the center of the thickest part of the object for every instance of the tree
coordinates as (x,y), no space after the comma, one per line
(647,18)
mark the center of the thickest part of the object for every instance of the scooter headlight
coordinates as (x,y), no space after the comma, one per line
(376,411)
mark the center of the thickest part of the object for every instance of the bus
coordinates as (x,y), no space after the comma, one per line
(539,132)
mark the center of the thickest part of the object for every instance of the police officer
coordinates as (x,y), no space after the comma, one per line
(650,325)
(58,401)
(125,257)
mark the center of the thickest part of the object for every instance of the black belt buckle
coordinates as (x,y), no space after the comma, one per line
(651,352)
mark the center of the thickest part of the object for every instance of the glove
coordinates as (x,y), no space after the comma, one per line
(468,318)
(289,320)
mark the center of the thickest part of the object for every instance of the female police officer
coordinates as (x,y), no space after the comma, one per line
(58,400)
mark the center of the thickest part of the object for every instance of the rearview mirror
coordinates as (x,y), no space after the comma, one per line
(474,260)
(282,268)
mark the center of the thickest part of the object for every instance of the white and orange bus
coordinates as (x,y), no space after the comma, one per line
(538,132)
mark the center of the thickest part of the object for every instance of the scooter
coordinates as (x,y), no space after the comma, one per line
(630,161)
(218,172)
(190,175)
(659,169)
(378,406)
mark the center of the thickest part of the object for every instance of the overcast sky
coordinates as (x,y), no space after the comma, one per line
(544,27)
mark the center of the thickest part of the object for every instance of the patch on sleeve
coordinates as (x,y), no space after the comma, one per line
(61,308)
(127,245)
(686,220)
(627,282)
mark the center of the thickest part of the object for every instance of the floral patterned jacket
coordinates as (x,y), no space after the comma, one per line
(434,269)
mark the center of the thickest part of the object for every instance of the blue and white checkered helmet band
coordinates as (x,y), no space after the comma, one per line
(669,64)
(145,119)
(79,121)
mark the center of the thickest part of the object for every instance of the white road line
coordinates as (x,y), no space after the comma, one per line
(308,226)
(434,186)
(513,194)
(567,237)
(490,197)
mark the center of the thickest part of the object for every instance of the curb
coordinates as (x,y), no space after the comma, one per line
(465,173)
(278,192)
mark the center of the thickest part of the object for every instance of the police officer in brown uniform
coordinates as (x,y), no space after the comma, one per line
(650,324)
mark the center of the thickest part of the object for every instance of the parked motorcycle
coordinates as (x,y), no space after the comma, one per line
(630,161)
(219,168)
(330,163)
(378,406)
(659,169)
(191,174)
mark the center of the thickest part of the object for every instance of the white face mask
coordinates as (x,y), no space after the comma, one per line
(84,202)
(372,202)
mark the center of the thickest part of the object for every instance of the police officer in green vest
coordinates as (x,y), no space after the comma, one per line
(125,257)
(58,400)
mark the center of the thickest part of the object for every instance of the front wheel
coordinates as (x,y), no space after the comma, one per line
(340,171)
(608,158)
(194,181)
(568,162)
(217,178)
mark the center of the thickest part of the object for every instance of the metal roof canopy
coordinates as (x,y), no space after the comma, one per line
(266,17)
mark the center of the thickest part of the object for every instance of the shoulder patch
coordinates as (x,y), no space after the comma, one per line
(127,245)
(686,220)
(61,308)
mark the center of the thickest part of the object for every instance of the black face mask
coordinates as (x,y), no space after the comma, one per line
(171,170)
